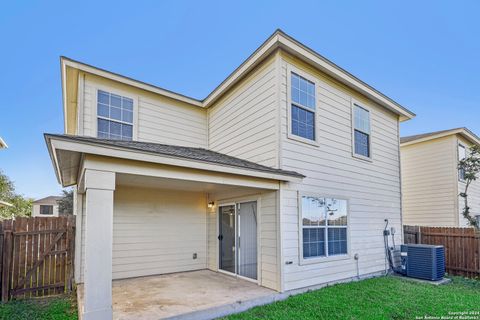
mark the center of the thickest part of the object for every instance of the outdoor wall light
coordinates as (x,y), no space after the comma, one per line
(211,204)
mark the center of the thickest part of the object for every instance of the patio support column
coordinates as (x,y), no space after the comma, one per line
(99,186)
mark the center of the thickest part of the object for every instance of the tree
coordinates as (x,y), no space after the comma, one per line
(65,205)
(21,206)
(6,187)
(470,166)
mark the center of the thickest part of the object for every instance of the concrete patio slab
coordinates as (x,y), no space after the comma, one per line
(194,295)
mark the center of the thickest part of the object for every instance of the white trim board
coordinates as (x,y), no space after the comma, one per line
(278,40)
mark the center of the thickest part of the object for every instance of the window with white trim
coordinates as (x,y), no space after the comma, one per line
(302,107)
(462,154)
(324,227)
(361,131)
(114,116)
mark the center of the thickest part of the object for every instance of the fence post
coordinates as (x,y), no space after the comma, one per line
(6,259)
(71,248)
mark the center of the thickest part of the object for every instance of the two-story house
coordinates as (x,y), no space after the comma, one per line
(431,180)
(46,207)
(284,174)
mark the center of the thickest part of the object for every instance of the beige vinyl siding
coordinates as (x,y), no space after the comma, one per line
(372,188)
(473,194)
(429,178)
(156,119)
(267,233)
(157,231)
(243,123)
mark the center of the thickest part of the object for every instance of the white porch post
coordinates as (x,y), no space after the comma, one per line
(99,186)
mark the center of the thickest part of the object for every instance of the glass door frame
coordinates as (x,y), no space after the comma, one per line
(227,204)
(235,204)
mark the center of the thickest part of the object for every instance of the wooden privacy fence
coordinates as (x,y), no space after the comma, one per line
(36,256)
(462,246)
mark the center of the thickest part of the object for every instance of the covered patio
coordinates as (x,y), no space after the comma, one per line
(196,294)
(158,224)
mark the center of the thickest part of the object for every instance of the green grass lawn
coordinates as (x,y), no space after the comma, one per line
(379,298)
(54,308)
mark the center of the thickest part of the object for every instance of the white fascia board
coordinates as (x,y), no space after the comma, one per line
(463,132)
(63,75)
(66,62)
(288,44)
(53,157)
(275,41)
(304,53)
(121,153)
(132,167)
(264,50)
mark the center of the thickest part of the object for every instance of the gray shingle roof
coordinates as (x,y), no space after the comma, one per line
(430,134)
(190,153)
(49,199)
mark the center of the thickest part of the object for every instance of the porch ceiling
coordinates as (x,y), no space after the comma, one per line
(139,181)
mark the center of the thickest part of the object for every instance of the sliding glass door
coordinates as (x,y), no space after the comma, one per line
(238,239)
(227,241)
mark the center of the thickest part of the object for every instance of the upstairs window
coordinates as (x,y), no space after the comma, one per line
(46,210)
(462,154)
(303,107)
(324,227)
(361,131)
(114,116)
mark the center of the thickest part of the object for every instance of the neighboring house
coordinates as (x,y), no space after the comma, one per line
(3,145)
(46,207)
(164,182)
(431,181)
(5,204)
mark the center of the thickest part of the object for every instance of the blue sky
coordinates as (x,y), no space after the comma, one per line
(423,54)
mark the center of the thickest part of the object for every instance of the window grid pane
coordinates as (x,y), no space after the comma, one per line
(313,242)
(337,241)
(362,119)
(303,91)
(115,116)
(303,123)
(362,143)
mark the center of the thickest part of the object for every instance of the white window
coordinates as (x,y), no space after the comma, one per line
(324,227)
(114,116)
(361,131)
(462,154)
(46,209)
(303,107)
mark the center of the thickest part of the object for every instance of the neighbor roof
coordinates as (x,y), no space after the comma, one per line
(190,153)
(5,204)
(49,199)
(2,144)
(278,40)
(465,132)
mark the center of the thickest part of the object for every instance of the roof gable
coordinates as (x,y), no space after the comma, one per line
(464,132)
(277,41)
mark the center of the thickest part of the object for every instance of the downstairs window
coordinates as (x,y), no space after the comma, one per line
(324,227)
